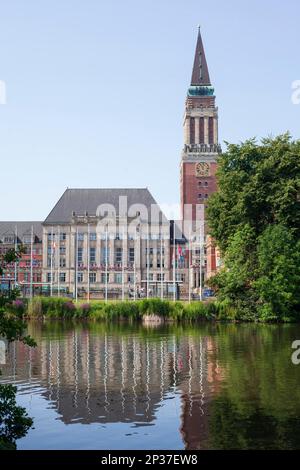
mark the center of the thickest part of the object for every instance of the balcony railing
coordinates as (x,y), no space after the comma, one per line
(202,148)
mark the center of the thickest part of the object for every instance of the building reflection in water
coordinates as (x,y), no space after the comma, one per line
(109,378)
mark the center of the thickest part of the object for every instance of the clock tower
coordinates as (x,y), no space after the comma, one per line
(201,147)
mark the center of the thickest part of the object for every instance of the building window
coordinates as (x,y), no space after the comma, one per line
(104,278)
(161,264)
(211,130)
(199,184)
(80,237)
(62,236)
(27,239)
(49,277)
(80,255)
(118,278)
(62,250)
(9,239)
(130,278)
(205,183)
(150,277)
(192,130)
(104,255)
(92,255)
(201,130)
(62,262)
(80,277)
(180,277)
(93,236)
(131,255)
(62,277)
(160,277)
(200,196)
(92,277)
(118,255)
(206,196)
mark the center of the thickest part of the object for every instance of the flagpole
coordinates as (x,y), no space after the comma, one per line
(134,266)
(123,267)
(31,262)
(161,268)
(76,266)
(106,264)
(58,261)
(51,264)
(88,263)
(16,249)
(190,262)
(148,259)
(174,267)
(200,287)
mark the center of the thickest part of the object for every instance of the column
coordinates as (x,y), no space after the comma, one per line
(216,138)
(187,130)
(206,130)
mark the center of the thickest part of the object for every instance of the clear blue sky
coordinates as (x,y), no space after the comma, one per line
(96,89)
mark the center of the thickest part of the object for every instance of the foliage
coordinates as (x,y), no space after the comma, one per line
(255,220)
(14,421)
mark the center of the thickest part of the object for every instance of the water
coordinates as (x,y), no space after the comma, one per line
(97,386)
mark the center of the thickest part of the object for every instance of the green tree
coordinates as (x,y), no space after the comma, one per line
(255,219)
(278,279)
(14,421)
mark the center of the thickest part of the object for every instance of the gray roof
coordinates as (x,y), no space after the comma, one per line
(22,228)
(87,200)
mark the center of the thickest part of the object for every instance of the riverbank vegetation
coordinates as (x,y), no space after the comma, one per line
(255,220)
(150,309)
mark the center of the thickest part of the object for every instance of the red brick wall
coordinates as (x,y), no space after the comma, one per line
(190,187)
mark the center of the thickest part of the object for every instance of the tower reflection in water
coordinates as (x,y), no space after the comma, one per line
(110,376)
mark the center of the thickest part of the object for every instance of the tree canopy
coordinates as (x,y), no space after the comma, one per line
(254,218)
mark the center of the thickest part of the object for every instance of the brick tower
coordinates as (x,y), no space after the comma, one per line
(201,147)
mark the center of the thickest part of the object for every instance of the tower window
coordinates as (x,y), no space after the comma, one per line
(211,130)
(192,130)
(205,183)
(199,183)
(201,130)
(200,196)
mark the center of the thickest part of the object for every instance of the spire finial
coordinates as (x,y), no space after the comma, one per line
(200,75)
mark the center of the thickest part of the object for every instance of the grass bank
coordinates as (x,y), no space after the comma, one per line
(59,307)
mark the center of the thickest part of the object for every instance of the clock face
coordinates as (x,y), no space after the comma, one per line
(202,169)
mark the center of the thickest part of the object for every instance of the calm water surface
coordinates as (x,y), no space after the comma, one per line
(98,386)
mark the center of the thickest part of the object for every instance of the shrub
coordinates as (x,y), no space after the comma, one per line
(18,306)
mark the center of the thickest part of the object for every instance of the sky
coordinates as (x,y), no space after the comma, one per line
(95,90)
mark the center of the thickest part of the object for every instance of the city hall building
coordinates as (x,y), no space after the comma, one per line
(106,243)
(117,243)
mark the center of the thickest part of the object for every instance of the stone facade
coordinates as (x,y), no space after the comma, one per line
(26,274)
(107,256)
